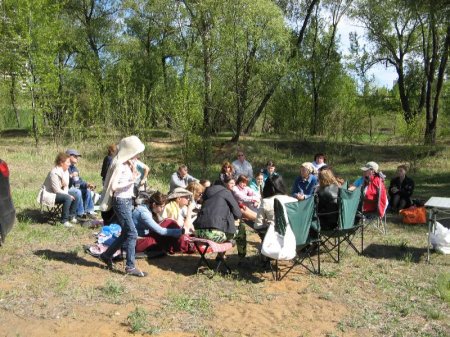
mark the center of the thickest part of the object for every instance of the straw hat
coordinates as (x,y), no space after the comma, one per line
(179,192)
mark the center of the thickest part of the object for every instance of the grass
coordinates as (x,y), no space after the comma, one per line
(390,291)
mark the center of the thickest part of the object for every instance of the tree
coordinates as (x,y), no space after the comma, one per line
(435,33)
(392,28)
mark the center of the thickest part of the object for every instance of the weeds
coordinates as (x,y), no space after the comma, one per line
(192,304)
(113,290)
(443,286)
(138,321)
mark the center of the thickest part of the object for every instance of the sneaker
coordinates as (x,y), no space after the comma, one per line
(135,272)
(74,220)
(67,224)
(82,218)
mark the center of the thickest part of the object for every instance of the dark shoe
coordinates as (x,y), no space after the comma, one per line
(135,272)
(82,218)
(108,261)
(91,216)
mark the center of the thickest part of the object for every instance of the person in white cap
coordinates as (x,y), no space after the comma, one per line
(368,170)
(118,194)
(374,191)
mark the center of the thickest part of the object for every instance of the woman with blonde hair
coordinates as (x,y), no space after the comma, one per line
(327,194)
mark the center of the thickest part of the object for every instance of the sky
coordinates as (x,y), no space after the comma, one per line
(384,77)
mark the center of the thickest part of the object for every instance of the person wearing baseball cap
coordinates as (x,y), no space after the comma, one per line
(372,182)
(369,169)
(85,207)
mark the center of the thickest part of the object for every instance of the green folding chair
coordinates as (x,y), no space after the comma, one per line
(349,224)
(300,215)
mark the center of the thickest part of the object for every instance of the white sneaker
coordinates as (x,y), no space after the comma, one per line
(67,224)
(74,220)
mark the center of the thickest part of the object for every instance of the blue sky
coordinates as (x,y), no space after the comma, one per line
(384,77)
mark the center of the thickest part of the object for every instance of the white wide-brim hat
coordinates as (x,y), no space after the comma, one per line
(129,147)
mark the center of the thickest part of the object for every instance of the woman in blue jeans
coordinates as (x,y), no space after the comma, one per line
(118,193)
(57,181)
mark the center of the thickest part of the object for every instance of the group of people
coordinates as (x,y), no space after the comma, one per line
(193,206)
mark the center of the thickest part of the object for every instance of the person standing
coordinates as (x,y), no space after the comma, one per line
(112,150)
(118,194)
(242,166)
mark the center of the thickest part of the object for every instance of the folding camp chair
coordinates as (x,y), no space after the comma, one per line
(349,224)
(50,210)
(377,218)
(300,215)
(204,246)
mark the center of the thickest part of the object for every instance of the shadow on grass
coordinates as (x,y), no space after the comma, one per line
(66,257)
(187,265)
(33,215)
(400,253)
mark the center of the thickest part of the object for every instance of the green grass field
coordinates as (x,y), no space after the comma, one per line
(48,284)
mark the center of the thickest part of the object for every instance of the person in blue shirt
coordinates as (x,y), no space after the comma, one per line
(305,184)
(147,215)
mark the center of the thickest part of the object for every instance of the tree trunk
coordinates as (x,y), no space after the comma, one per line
(432,114)
(12,92)
(273,87)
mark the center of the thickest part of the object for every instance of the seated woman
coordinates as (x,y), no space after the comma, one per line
(274,188)
(257,183)
(227,171)
(216,219)
(401,189)
(179,208)
(197,190)
(247,199)
(373,189)
(319,161)
(156,233)
(57,182)
(147,216)
(327,194)
(305,183)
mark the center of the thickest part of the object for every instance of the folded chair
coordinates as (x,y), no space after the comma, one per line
(300,216)
(204,246)
(376,218)
(48,207)
(348,226)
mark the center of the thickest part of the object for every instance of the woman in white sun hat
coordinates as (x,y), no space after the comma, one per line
(118,194)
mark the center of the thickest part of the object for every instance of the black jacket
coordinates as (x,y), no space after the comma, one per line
(405,188)
(219,210)
(328,203)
